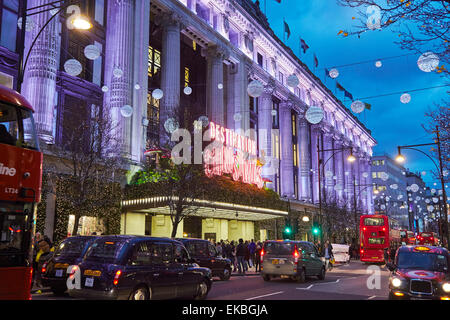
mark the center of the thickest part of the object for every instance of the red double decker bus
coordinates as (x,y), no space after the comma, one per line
(376,238)
(20,191)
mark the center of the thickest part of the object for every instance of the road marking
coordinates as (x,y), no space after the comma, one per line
(265,295)
(306,288)
(372,297)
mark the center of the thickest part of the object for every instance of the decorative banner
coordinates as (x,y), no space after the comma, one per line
(314,114)
(334,73)
(405,98)
(126,111)
(157,94)
(358,106)
(226,155)
(92,52)
(378,64)
(255,88)
(73,67)
(187,90)
(292,81)
(428,62)
(171,125)
(414,187)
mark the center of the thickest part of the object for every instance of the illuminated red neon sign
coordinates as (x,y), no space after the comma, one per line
(228,155)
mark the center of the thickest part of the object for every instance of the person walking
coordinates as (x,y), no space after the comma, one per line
(240,255)
(258,257)
(44,254)
(252,250)
(233,255)
(328,254)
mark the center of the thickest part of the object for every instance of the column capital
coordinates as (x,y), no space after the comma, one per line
(286,104)
(171,19)
(216,52)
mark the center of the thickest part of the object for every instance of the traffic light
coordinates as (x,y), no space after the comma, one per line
(287,231)
(315,229)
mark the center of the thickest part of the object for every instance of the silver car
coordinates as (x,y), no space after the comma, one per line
(291,259)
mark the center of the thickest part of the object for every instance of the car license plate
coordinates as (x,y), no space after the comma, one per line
(89,282)
(277,261)
(59,273)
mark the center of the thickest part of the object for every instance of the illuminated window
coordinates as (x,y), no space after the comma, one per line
(154,61)
(9,13)
(153,119)
(194,45)
(186,77)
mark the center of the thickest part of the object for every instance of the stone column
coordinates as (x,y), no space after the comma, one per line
(238,116)
(215,86)
(348,174)
(39,86)
(140,77)
(265,131)
(170,76)
(119,57)
(287,155)
(305,160)
(369,189)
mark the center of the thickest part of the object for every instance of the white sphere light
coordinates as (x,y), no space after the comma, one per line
(29,24)
(157,94)
(73,67)
(220,86)
(384,176)
(405,98)
(365,174)
(171,125)
(314,114)
(117,72)
(126,111)
(255,88)
(204,120)
(137,86)
(378,64)
(328,174)
(237,117)
(274,112)
(428,62)
(293,81)
(105,89)
(358,106)
(187,90)
(414,187)
(333,73)
(92,52)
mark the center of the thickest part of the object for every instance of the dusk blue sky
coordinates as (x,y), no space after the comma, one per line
(392,123)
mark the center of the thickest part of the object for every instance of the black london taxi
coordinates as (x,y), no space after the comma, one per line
(420,272)
(69,252)
(206,255)
(138,268)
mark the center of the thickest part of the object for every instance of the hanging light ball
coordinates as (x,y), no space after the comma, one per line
(171,125)
(365,174)
(73,67)
(237,117)
(358,106)
(428,62)
(328,174)
(414,187)
(187,90)
(274,112)
(394,186)
(126,111)
(105,89)
(137,86)
(292,81)
(405,98)
(384,176)
(424,173)
(220,86)
(378,64)
(333,73)
(92,52)
(117,72)
(29,24)
(204,120)
(314,114)
(157,94)
(430,208)
(255,88)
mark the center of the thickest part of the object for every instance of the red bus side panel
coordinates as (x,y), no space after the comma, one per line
(15,283)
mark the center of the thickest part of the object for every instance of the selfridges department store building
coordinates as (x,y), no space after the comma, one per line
(198,57)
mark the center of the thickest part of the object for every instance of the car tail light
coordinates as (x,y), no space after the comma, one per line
(362,251)
(116,277)
(262,255)
(44,268)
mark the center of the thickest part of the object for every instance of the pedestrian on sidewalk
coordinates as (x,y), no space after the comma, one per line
(252,250)
(258,257)
(240,255)
(233,255)
(44,254)
(328,254)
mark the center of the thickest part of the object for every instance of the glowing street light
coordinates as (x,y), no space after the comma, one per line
(81,23)
(351,157)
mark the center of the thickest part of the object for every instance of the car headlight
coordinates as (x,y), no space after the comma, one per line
(396,282)
(446,286)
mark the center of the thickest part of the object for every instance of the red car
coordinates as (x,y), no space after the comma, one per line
(420,272)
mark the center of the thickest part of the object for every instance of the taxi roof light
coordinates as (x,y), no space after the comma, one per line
(422,249)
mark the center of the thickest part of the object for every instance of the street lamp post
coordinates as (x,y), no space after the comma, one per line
(400,158)
(80,23)
(351,158)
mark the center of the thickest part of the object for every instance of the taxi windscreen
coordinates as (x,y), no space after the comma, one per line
(104,251)
(71,247)
(279,248)
(421,260)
